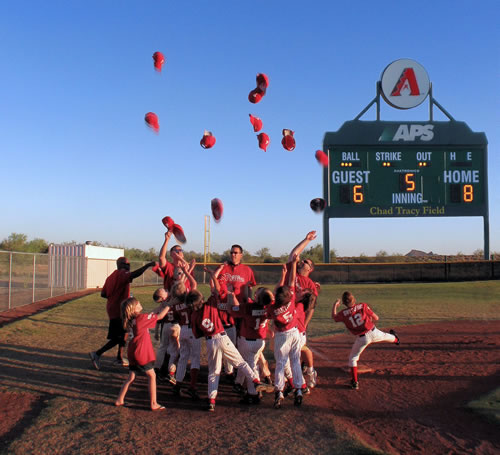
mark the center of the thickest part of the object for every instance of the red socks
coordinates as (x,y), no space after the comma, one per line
(354,373)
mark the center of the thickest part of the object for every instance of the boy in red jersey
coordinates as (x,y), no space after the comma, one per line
(359,319)
(253,332)
(206,321)
(287,341)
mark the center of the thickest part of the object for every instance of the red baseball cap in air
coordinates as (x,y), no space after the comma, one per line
(179,233)
(262,82)
(217,209)
(256,122)
(288,140)
(208,140)
(318,205)
(255,95)
(322,158)
(263,141)
(159,60)
(168,222)
(152,121)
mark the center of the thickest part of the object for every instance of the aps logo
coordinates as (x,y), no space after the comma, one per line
(404,84)
(407,133)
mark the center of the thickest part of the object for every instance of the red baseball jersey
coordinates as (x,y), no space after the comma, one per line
(301,282)
(117,289)
(238,276)
(140,349)
(182,314)
(207,321)
(254,320)
(301,317)
(284,316)
(358,318)
(167,273)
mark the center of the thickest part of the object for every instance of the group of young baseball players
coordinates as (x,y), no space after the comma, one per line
(235,321)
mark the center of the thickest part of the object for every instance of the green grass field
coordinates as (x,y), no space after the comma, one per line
(77,327)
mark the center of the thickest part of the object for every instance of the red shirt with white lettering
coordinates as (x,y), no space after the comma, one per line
(254,320)
(206,321)
(167,273)
(284,316)
(301,317)
(238,276)
(117,289)
(358,318)
(140,349)
(301,282)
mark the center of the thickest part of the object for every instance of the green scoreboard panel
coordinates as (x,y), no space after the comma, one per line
(405,169)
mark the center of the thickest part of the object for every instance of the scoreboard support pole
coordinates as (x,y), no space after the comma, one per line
(326,239)
(486,226)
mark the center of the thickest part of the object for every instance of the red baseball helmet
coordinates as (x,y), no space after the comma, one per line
(288,140)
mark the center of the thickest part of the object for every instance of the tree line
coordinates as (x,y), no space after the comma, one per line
(19,243)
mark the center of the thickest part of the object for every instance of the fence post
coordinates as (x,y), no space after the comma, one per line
(10,277)
(34,277)
(65,274)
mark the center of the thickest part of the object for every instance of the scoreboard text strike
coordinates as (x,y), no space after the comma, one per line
(404,169)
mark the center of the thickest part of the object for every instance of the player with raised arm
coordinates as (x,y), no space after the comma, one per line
(304,285)
(287,340)
(359,319)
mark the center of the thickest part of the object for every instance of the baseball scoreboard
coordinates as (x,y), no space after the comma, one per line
(405,169)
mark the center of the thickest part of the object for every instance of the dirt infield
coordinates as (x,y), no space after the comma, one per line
(411,400)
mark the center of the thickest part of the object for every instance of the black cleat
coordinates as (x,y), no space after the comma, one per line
(298,398)
(278,400)
(354,385)
(392,332)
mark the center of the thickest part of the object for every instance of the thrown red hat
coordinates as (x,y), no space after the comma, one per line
(152,121)
(179,233)
(288,140)
(256,122)
(168,222)
(263,141)
(262,82)
(159,60)
(322,158)
(208,140)
(255,95)
(217,209)
(318,205)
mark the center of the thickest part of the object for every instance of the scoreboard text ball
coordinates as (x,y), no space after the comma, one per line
(405,169)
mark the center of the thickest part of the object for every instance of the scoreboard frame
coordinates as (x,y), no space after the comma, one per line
(405,169)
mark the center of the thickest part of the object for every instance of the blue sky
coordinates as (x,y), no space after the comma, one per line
(78,162)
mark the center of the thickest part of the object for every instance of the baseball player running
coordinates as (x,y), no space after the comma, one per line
(359,319)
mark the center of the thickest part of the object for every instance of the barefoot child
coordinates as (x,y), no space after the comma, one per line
(141,354)
(359,319)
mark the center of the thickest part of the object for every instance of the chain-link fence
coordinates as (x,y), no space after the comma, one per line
(26,278)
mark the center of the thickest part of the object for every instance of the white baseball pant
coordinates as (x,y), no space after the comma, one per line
(362,342)
(250,351)
(287,344)
(190,351)
(163,348)
(219,346)
(231,333)
(288,370)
